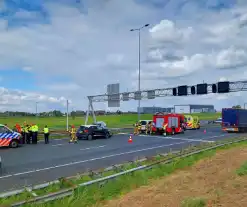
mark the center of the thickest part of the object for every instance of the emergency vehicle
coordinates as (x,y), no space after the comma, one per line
(192,122)
(9,138)
(173,122)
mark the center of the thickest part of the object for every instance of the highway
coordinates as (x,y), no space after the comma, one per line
(36,164)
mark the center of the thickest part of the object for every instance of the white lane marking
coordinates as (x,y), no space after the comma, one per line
(185,139)
(61,139)
(54,145)
(93,147)
(188,138)
(222,135)
(90,160)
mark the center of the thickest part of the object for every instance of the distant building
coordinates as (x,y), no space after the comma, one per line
(153,110)
(193,108)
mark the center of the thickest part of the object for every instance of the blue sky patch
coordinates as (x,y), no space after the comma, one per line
(18,79)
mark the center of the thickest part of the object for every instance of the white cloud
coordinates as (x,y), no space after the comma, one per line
(167,32)
(16,99)
(88,51)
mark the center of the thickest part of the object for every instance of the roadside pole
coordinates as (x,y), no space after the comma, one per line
(67,122)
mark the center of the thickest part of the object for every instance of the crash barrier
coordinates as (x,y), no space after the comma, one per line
(168,158)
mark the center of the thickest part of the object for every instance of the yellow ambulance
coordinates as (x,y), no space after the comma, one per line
(192,122)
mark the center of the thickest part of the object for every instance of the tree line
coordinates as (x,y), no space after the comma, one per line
(57,113)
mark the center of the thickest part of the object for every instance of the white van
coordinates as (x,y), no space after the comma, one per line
(143,124)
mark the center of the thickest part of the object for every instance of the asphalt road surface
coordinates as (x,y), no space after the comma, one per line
(36,164)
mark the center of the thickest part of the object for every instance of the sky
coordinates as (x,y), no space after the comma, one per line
(51,51)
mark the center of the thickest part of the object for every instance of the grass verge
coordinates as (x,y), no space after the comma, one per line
(96,194)
(112,121)
(242,170)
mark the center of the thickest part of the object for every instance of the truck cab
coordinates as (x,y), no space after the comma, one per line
(9,138)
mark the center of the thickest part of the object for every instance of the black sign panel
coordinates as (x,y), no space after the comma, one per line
(193,90)
(182,90)
(138,95)
(174,91)
(224,87)
(202,88)
(125,96)
(151,94)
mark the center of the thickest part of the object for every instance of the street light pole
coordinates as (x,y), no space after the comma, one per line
(36,109)
(139,74)
(139,64)
(67,118)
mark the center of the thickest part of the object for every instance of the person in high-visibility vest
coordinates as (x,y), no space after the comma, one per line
(147,128)
(150,127)
(35,130)
(73,134)
(139,127)
(46,134)
(136,132)
(164,129)
(26,133)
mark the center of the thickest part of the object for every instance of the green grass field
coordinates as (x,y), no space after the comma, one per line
(125,120)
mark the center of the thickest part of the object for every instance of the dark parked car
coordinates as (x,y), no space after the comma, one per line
(92,131)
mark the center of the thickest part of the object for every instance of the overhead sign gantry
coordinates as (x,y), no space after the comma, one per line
(113,96)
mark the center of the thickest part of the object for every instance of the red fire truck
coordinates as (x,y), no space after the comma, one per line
(174,123)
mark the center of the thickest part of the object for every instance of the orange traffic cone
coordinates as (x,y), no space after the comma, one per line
(130,139)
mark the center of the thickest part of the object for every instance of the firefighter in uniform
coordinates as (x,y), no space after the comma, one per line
(147,128)
(164,129)
(73,134)
(139,127)
(136,128)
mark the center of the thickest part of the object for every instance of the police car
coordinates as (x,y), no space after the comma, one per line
(9,138)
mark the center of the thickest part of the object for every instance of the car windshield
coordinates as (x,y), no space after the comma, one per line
(82,128)
(143,122)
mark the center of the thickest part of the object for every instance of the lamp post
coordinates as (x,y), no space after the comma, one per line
(37,109)
(139,63)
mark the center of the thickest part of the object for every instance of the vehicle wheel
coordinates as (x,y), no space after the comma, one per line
(107,135)
(90,137)
(14,144)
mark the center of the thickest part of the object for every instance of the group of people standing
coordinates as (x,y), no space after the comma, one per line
(30,132)
(138,128)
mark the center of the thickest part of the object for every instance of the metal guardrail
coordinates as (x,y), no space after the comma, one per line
(67,192)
